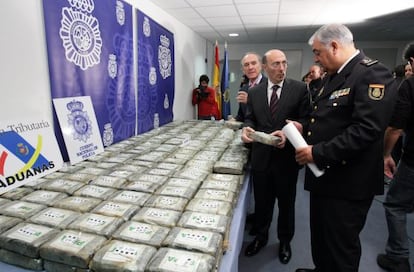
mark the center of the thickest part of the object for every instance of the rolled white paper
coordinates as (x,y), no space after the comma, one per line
(296,139)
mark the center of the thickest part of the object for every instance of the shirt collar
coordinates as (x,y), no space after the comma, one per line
(257,81)
(270,84)
(348,60)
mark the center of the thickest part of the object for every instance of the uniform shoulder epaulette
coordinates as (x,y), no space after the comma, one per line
(368,62)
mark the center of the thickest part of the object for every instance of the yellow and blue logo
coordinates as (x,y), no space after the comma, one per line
(34,162)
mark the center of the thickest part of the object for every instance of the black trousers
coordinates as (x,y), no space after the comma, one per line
(335,227)
(277,182)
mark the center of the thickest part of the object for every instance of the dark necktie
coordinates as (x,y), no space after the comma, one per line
(273,101)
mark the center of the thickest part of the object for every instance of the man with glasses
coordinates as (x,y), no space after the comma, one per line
(274,169)
(345,133)
(400,196)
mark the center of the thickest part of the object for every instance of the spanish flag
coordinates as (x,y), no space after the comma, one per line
(216,77)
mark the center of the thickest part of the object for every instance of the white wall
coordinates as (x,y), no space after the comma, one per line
(387,52)
(24,72)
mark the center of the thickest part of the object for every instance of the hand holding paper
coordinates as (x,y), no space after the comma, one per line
(296,139)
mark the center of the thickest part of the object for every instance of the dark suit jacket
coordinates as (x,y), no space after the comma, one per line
(241,113)
(346,130)
(293,104)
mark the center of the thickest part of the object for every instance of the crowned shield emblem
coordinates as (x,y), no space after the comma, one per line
(376,91)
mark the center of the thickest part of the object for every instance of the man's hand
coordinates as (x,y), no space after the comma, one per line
(245,134)
(298,125)
(304,155)
(242,97)
(389,166)
(282,137)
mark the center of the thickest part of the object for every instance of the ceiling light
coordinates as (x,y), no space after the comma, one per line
(234,34)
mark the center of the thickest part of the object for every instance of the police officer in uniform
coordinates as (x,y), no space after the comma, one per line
(345,136)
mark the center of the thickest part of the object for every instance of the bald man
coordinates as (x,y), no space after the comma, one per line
(274,169)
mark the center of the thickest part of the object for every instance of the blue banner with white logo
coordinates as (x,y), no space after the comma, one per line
(90,52)
(155,74)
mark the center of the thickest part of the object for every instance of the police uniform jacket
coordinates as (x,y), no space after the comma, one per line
(346,128)
(293,104)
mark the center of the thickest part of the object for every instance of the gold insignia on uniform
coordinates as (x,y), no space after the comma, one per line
(368,62)
(376,91)
(339,93)
(321,91)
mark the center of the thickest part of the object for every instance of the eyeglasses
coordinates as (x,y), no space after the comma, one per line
(277,64)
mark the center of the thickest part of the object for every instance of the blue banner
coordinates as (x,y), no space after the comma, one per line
(22,149)
(90,52)
(155,74)
(225,87)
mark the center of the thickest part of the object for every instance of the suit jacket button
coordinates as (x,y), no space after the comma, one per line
(309,133)
(343,162)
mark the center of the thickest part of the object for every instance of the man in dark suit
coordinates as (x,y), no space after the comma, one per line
(316,75)
(252,73)
(274,170)
(345,135)
(251,65)
(399,200)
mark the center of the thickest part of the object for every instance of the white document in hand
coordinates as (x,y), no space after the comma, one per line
(296,139)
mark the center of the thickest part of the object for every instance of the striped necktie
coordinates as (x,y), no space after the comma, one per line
(273,101)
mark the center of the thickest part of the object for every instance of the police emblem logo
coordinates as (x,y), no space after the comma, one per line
(164,57)
(79,121)
(152,76)
(166,102)
(22,149)
(120,13)
(226,95)
(146,28)
(112,66)
(376,91)
(108,135)
(81,38)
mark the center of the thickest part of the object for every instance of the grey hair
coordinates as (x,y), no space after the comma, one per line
(325,34)
(250,53)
